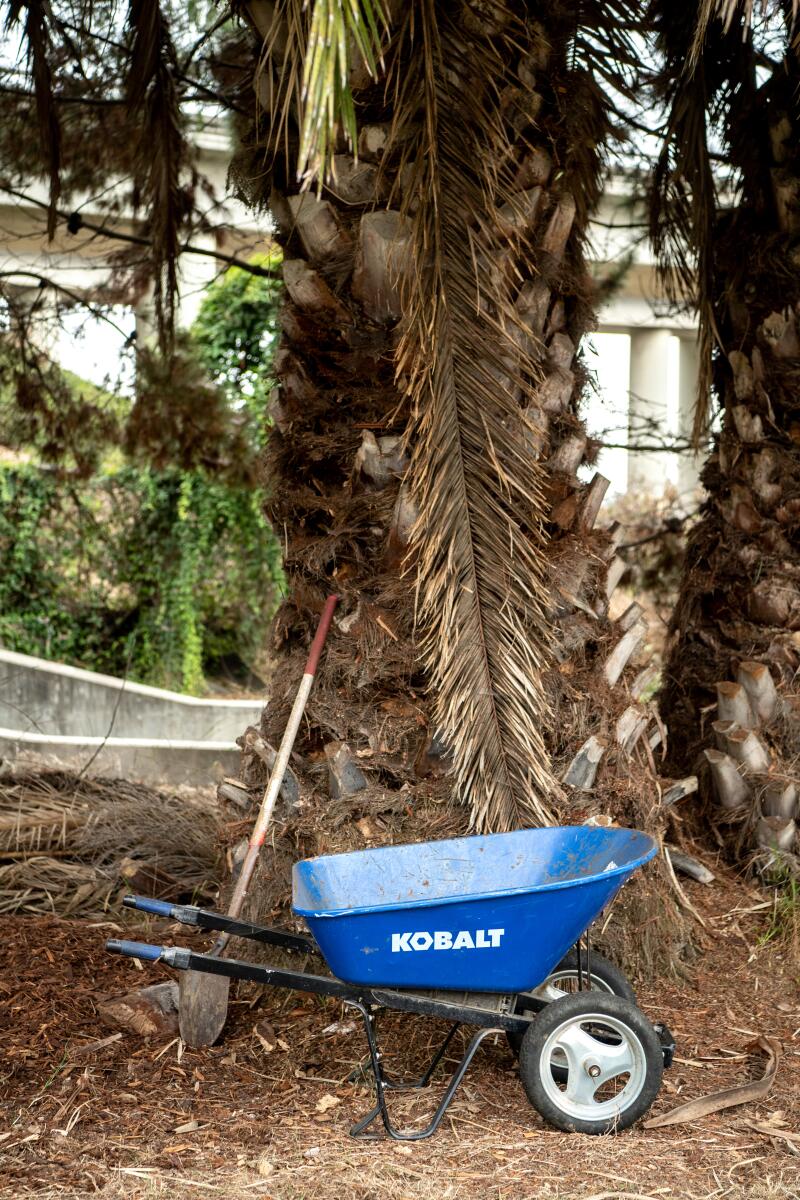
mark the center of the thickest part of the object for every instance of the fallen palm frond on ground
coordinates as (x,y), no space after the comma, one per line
(67,843)
(745,1093)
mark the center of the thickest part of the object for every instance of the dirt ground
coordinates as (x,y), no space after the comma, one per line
(85,1113)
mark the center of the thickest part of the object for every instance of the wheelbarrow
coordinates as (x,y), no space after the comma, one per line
(488,931)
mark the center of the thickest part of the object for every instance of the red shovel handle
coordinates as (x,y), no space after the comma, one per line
(320,636)
(278,769)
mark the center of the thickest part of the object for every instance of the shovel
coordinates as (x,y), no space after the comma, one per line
(203,999)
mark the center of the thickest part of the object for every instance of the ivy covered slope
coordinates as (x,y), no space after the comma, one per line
(157,562)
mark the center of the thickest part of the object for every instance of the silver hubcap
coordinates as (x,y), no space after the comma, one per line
(605,1063)
(565,983)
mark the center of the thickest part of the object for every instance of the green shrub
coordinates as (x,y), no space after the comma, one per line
(153,575)
(153,561)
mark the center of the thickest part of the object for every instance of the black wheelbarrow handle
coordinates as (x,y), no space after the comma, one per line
(141,950)
(190,914)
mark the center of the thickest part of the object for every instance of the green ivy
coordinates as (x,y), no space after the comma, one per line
(235,333)
(153,575)
(146,564)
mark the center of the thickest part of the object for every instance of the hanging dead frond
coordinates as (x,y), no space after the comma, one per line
(711,96)
(482,596)
(683,196)
(604,61)
(726,12)
(161,152)
(34,18)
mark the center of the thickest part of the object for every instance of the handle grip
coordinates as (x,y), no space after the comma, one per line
(135,950)
(159,908)
(319,637)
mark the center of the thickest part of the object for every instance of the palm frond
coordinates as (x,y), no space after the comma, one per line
(341,31)
(683,196)
(308,55)
(279,75)
(482,596)
(34,17)
(726,12)
(710,94)
(161,152)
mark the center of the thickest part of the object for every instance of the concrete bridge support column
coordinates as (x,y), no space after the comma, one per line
(689,464)
(649,410)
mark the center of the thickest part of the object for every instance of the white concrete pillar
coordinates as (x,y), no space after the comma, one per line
(196,272)
(688,369)
(649,411)
(144,312)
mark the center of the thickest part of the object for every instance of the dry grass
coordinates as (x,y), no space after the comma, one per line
(402,1180)
(62,839)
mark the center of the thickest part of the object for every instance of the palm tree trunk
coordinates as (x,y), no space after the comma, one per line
(739,601)
(375,750)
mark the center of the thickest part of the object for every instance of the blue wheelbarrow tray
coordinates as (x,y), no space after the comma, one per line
(480,914)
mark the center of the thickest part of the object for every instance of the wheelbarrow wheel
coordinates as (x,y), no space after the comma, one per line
(613,1063)
(605,977)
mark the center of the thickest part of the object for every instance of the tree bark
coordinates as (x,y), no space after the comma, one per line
(343,503)
(738,611)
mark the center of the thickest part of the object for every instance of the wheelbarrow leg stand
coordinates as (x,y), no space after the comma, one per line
(382,1084)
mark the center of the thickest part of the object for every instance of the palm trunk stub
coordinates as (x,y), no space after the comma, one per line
(373,755)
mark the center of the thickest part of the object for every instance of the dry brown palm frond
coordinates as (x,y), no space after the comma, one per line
(65,838)
(36,31)
(712,97)
(683,196)
(153,100)
(482,597)
(41,884)
(726,12)
(279,76)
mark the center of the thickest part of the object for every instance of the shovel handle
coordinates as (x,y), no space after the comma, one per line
(312,662)
(279,768)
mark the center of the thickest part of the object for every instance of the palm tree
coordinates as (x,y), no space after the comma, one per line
(437,294)
(426,431)
(734,90)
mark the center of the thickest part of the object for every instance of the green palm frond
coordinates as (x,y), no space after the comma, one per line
(308,55)
(341,31)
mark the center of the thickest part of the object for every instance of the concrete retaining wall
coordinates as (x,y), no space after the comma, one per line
(158,762)
(59,716)
(38,696)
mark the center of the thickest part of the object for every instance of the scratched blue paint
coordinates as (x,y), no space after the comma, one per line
(372,912)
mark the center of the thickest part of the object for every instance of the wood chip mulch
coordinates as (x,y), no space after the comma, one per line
(87,1111)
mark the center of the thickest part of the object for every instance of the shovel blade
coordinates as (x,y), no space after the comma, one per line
(202,1007)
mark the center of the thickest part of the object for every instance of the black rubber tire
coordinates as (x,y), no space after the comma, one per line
(571,1008)
(610,975)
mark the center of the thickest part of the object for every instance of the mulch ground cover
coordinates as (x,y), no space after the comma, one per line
(87,1110)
